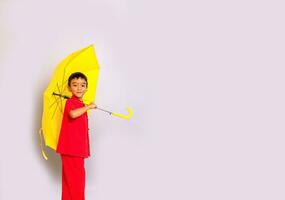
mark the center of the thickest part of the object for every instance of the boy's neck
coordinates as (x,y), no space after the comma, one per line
(79,98)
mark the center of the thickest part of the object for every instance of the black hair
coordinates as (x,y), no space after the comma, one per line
(77,75)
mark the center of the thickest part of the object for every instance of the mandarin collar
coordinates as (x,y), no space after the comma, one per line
(76,98)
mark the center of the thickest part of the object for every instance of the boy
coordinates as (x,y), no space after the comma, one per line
(73,142)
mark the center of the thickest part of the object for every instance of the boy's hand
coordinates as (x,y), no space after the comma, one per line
(92,106)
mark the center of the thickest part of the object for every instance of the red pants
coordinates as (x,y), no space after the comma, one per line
(73,178)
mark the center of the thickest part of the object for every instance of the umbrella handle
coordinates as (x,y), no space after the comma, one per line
(128,116)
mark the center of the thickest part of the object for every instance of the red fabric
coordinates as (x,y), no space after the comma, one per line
(73,138)
(73,178)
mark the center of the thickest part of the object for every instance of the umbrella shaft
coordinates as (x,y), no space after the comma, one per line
(104,110)
(66,97)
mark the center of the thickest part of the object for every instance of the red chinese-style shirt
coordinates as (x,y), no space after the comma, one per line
(74,138)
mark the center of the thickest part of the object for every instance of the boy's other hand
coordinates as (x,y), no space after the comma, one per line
(92,106)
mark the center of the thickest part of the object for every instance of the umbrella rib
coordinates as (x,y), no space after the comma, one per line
(62,82)
(54,102)
(59,97)
(54,109)
(61,85)
(59,93)
(64,88)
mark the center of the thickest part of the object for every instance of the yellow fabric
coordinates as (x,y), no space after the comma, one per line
(43,153)
(130,113)
(83,60)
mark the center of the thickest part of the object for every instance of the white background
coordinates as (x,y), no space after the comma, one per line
(205,80)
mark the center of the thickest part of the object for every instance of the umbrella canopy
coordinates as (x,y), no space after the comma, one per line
(55,95)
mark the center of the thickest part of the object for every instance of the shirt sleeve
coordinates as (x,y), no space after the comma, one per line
(68,106)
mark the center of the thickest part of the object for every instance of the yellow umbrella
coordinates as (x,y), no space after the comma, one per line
(55,95)
(54,98)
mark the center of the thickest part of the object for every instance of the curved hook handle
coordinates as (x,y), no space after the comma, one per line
(130,113)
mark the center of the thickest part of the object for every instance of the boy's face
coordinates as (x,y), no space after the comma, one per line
(78,87)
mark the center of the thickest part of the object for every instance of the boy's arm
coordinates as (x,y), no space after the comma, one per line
(79,111)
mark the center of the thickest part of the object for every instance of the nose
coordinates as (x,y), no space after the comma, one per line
(79,88)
